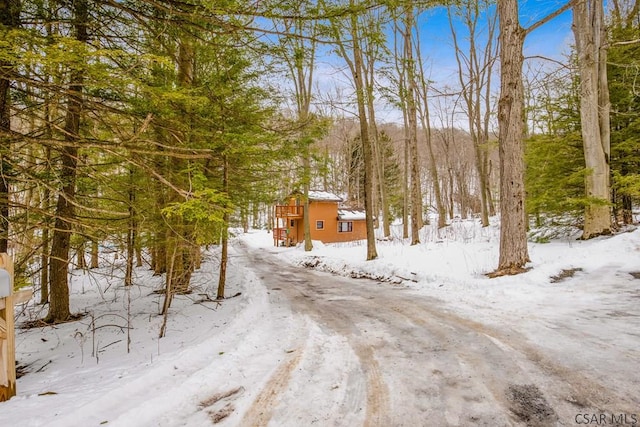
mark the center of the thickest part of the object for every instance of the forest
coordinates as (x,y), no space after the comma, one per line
(154,128)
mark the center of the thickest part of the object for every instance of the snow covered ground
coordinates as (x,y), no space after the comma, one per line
(217,359)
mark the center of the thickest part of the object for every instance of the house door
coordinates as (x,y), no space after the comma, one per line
(292,229)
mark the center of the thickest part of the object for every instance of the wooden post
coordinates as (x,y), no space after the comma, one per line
(7,337)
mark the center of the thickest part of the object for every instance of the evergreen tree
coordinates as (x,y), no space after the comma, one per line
(555,171)
(9,22)
(554,177)
(622,69)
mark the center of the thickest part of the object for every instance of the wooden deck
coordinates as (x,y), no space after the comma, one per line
(289,211)
(281,238)
(284,233)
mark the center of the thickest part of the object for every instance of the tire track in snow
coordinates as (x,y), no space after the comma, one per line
(563,384)
(418,359)
(260,412)
(377,393)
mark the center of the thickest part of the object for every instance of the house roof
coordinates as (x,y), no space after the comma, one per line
(323,196)
(351,215)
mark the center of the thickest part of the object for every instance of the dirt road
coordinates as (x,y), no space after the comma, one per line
(414,363)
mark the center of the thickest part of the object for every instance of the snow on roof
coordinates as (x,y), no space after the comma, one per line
(324,196)
(351,214)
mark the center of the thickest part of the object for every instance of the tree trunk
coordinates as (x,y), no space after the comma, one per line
(81,263)
(44,267)
(183,262)
(627,209)
(487,182)
(423,91)
(9,19)
(46,225)
(513,230)
(380,203)
(224,258)
(451,194)
(590,36)
(224,255)
(378,161)
(478,64)
(180,233)
(138,246)
(60,244)
(483,185)
(306,166)
(131,231)
(366,142)
(94,254)
(159,261)
(412,121)
(405,185)
(196,256)
(356,66)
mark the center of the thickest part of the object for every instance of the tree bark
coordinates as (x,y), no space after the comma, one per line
(224,255)
(46,225)
(180,233)
(590,35)
(405,183)
(367,151)
(81,261)
(513,230)
(400,69)
(300,59)
(306,222)
(60,244)
(131,231)
(378,161)
(94,263)
(412,129)
(356,66)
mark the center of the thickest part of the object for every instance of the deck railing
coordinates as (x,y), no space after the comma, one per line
(281,237)
(280,233)
(287,211)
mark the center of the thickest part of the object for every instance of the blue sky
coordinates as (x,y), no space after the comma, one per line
(551,40)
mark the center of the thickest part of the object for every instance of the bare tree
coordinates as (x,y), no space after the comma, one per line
(514,253)
(299,41)
(351,52)
(373,53)
(475,69)
(591,46)
(412,94)
(408,99)
(425,120)
(400,80)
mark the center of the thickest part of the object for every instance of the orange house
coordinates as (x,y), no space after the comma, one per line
(329,222)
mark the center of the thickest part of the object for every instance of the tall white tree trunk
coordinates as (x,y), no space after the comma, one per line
(590,35)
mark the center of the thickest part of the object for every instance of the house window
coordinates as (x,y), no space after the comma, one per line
(319,225)
(293,223)
(345,226)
